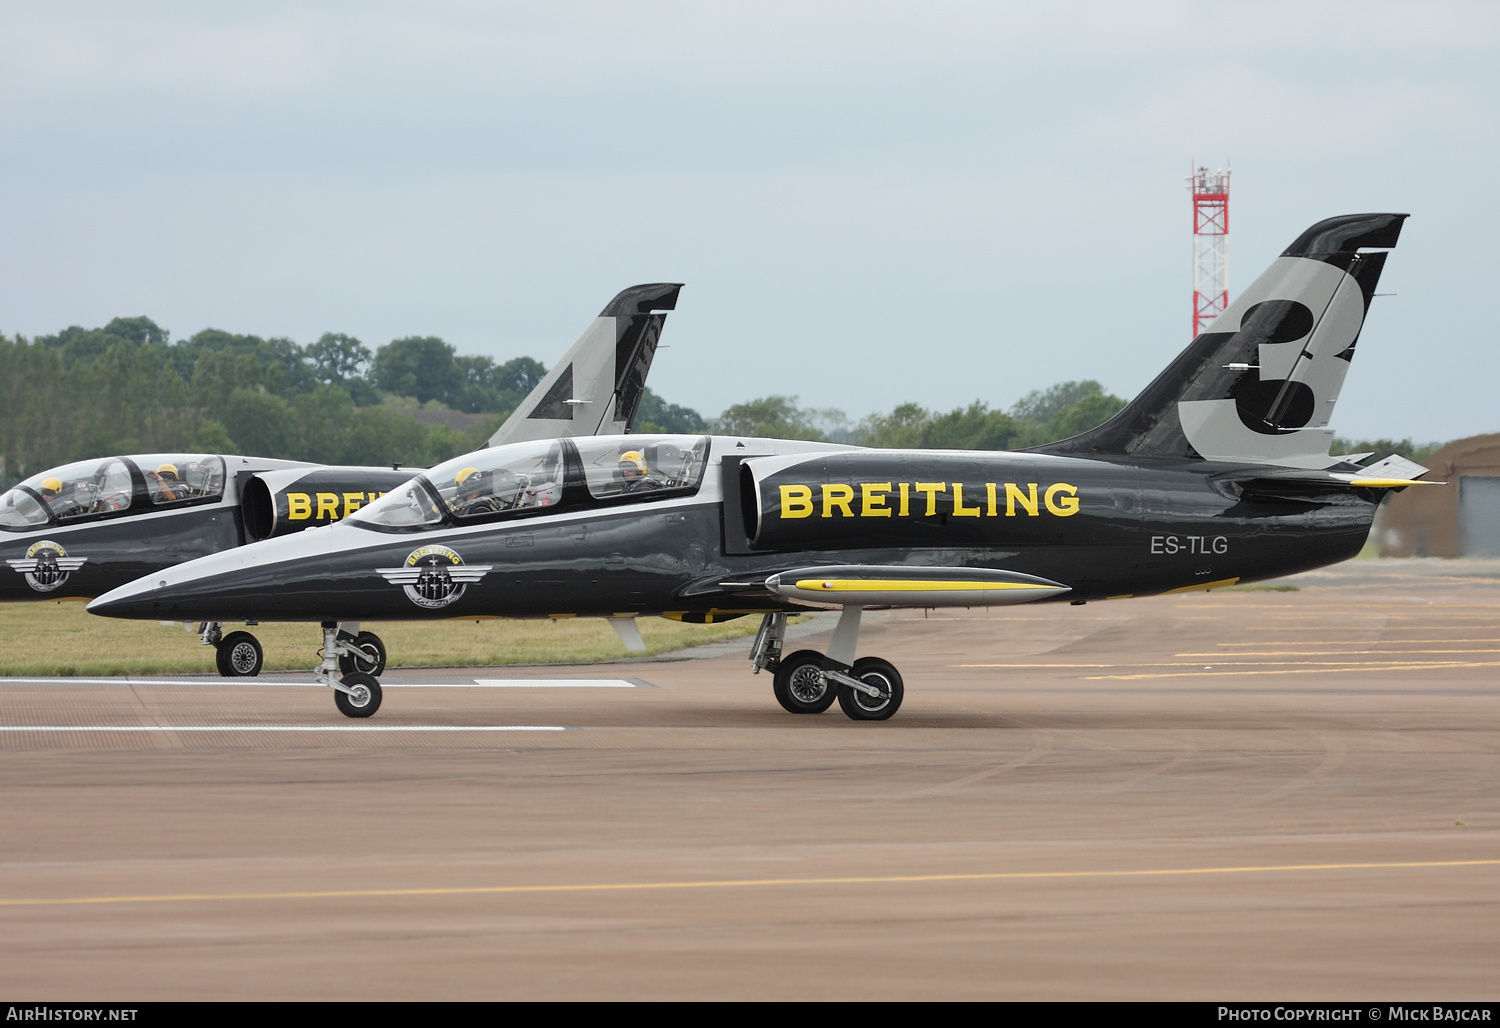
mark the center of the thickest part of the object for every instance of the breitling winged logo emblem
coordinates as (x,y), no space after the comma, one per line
(46,565)
(434,576)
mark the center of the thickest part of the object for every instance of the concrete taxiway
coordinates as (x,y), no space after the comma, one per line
(1234,795)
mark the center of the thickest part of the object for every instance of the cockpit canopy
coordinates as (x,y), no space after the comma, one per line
(112,486)
(536,477)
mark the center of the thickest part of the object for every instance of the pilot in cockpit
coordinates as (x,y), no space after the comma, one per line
(484,492)
(64,499)
(166,480)
(635,474)
(472,492)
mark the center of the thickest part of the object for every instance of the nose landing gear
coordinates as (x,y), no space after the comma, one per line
(807,682)
(357,693)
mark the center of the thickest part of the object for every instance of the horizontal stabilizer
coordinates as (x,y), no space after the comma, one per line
(1383,475)
(1394,466)
(863,585)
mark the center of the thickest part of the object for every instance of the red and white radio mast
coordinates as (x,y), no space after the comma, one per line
(1210,245)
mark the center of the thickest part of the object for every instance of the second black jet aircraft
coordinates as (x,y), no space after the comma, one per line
(82,529)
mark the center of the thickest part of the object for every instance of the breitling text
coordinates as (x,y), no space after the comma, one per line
(928,499)
(300,506)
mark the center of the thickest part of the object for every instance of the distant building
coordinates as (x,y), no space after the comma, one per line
(1459,519)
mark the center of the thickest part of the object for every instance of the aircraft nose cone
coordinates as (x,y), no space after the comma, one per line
(246,582)
(143,598)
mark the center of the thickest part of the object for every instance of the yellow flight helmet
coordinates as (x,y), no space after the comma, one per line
(634,457)
(52,485)
(168,469)
(458,479)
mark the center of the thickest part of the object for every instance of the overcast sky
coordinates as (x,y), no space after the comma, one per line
(868,202)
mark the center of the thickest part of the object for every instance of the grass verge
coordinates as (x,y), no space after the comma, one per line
(60,638)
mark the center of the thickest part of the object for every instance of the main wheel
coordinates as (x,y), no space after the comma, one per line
(239,655)
(883,676)
(370,661)
(800,686)
(366,698)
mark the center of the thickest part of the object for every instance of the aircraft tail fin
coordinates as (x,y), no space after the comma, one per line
(596,388)
(1259,386)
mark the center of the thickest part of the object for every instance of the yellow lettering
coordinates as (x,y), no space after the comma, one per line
(1068,505)
(796,501)
(1013,494)
(837,496)
(328,506)
(873,496)
(905,510)
(932,489)
(989,488)
(298,506)
(352,502)
(959,510)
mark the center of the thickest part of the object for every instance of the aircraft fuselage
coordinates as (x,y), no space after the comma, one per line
(1102,528)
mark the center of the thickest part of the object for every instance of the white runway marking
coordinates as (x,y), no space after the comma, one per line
(282,728)
(128,680)
(386,683)
(559,683)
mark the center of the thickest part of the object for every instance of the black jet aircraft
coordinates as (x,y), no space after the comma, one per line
(1219,472)
(83,529)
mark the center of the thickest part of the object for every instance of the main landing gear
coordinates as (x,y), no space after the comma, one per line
(361,656)
(807,682)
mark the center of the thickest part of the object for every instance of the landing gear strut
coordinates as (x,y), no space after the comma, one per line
(806,682)
(357,693)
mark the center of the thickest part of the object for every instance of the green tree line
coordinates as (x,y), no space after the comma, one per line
(128,388)
(1041,416)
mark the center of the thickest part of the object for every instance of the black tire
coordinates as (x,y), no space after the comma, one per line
(370,643)
(883,676)
(797,683)
(367,698)
(239,655)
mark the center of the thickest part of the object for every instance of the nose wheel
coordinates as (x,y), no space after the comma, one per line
(360,695)
(238,655)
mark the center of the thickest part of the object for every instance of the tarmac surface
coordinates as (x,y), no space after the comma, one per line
(1227,796)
